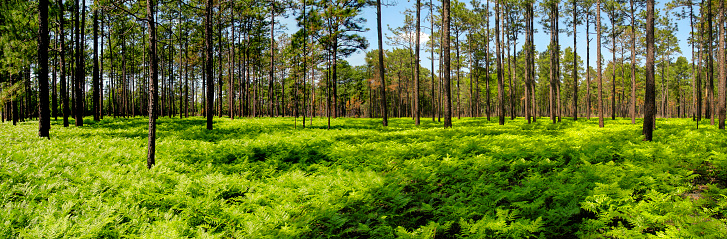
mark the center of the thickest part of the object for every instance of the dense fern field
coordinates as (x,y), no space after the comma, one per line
(263,178)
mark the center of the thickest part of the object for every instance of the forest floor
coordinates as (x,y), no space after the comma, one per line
(263,178)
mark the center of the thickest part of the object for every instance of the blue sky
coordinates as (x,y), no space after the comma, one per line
(393,17)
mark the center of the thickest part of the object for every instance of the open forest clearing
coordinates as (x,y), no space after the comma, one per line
(263,178)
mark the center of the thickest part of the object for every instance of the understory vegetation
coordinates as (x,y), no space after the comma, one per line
(263,178)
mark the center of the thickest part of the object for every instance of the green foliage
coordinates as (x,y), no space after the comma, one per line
(261,178)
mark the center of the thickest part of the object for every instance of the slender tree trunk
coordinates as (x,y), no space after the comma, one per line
(384,110)
(722,65)
(500,85)
(613,79)
(649,99)
(528,55)
(633,64)
(54,89)
(575,64)
(710,64)
(416,71)
(43,44)
(208,62)
(80,71)
(64,84)
(153,67)
(96,88)
(487,59)
(553,64)
(431,20)
(588,67)
(598,57)
(272,58)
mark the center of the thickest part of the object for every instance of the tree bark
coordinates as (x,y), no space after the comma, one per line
(96,88)
(575,63)
(598,57)
(500,84)
(43,43)
(633,64)
(722,73)
(208,63)
(416,72)
(649,97)
(446,64)
(151,150)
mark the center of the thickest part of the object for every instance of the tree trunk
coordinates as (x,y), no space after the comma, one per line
(500,85)
(575,65)
(272,58)
(722,65)
(598,58)
(96,88)
(633,64)
(79,76)
(710,64)
(431,20)
(588,67)
(43,44)
(553,64)
(446,64)
(64,84)
(208,63)
(649,98)
(416,62)
(151,150)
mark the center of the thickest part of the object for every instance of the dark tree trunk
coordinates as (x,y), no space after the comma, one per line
(500,85)
(78,77)
(650,97)
(384,110)
(446,64)
(416,62)
(151,150)
(208,63)
(43,43)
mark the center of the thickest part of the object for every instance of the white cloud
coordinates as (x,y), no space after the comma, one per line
(408,37)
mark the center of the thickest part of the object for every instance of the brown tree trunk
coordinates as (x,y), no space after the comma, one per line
(649,98)
(598,57)
(151,150)
(446,64)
